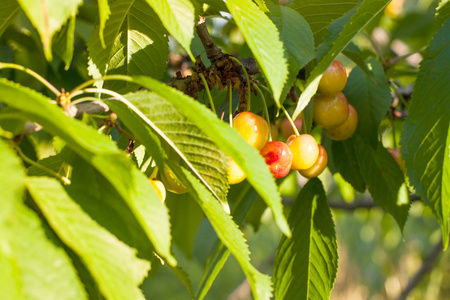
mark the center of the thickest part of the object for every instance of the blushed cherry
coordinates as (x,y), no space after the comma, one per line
(253,128)
(330,111)
(286,127)
(345,130)
(333,80)
(317,168)
(305,151)
(278,157)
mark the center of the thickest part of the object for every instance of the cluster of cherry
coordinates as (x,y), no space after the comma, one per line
(302,153)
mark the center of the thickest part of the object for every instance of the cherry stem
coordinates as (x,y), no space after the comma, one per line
(266,111)
(249,93)
(211,102)
(32,73)
(290,120)
(230,113)
(38,165)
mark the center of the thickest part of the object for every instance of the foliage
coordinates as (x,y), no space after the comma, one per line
(99,97)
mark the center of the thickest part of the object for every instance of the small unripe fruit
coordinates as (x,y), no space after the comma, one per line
(334,79)
(278,157)
(235,173)
(253,128)
(160,189)
(318,167)
(330,111)
(345,130)
(305,151)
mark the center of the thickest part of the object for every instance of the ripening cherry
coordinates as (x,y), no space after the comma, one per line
(159,187)
(305,151)
(333,80)
(172,183)
(330,111)
(253,128)
(318,167)
(345,130)
(278,157)
(235,173)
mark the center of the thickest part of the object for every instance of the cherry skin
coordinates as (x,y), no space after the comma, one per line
(345,130)
(274,131)
(278,157)
(318,167)
(160,188)
(172,183)
(253,128)
(395,153)
(286,127)
(330,111)
(333,80)
(235,173)
(305,151)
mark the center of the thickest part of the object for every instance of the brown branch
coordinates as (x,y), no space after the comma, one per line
(212,51)
(363,203)
(425,268)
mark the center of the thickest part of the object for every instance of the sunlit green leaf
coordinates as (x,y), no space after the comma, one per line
(297,39)
(48,17)
(136,43)
(178,18)
(306,265)
(426,134)
(263,39)
(113,265)
(103,154)
(103,15)
(63,41)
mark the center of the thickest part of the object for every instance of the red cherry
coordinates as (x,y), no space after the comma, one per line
(278,157)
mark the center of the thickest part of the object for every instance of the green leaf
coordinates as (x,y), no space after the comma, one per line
(242,204)
(46,271)
(103,15)
(385,180)
(178,17)
(263,39)
(426,137)
(297,39)
(12,186)
(8,10)
(199,150)
(103,154)
(370,96)
(228,232)
(229,141)
(48,17)
(346,163)
(320,14)
(306,265)
(365,12)
(113,264)
(63,41)
(442,14)
(106,207)
(354,53)
(136,43)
